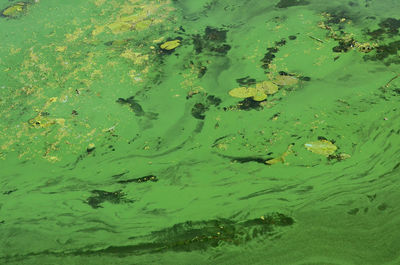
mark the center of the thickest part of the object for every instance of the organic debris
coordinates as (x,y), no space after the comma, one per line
(321,147)
(14,11)
(170,45)
(139,180)
(258,93)
(281,158)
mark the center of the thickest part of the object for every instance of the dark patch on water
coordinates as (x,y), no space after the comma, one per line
(119,175)
(250,159)
(202,71)
(222,49)
(133,104)
(100,196)
(344,46)
(199,109)
(249,104)
(213,100)
(202,235)
(147,178)
(382,206)
(391,26)
(353,211)
(213,40)
(8,192)
(387,53)
(388,27)
(290,3)
(270,55)
(215,35)
(136,107)
(246,81)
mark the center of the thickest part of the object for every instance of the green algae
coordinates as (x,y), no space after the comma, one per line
(116,151)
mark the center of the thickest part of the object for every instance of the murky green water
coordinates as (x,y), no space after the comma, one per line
(200,132)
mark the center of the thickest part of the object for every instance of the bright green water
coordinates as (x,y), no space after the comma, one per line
(206,195)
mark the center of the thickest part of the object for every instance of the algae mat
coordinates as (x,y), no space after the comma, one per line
(199,132)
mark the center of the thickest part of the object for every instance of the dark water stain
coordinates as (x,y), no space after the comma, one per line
(269,56)
(136,107)
(147,178)
(388,53)
(100,196)
(199,109)
(249,104)
(202,235)
(213,41)
(246,81)
(290,3)
(187,237)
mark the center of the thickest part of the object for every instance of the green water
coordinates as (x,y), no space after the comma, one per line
(117,150)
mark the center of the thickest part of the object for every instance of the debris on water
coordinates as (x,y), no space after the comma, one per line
(285,80)
(147,178)
(280,159)
(258,93)
(170,45)
(321,147)
(90,148)
(339,157)
(15,10)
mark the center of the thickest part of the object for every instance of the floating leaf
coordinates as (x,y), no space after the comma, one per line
(276,160)
(259,95)
(285,80)
(268,87)
(321,147)
(119,27)
(170,45)
(14,10)
(242,92)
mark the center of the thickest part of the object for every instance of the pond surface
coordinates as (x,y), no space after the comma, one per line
(200,132)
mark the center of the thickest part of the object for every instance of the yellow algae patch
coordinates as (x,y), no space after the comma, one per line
(321,147)
(285,80)
(61,48)
(136,57)
(119,27)
(281,158)
(73,36)
(99,2)
(14,10)
(144,24)
(242,92)
(268,87)
(170,45)
(98,29)
(258,93)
